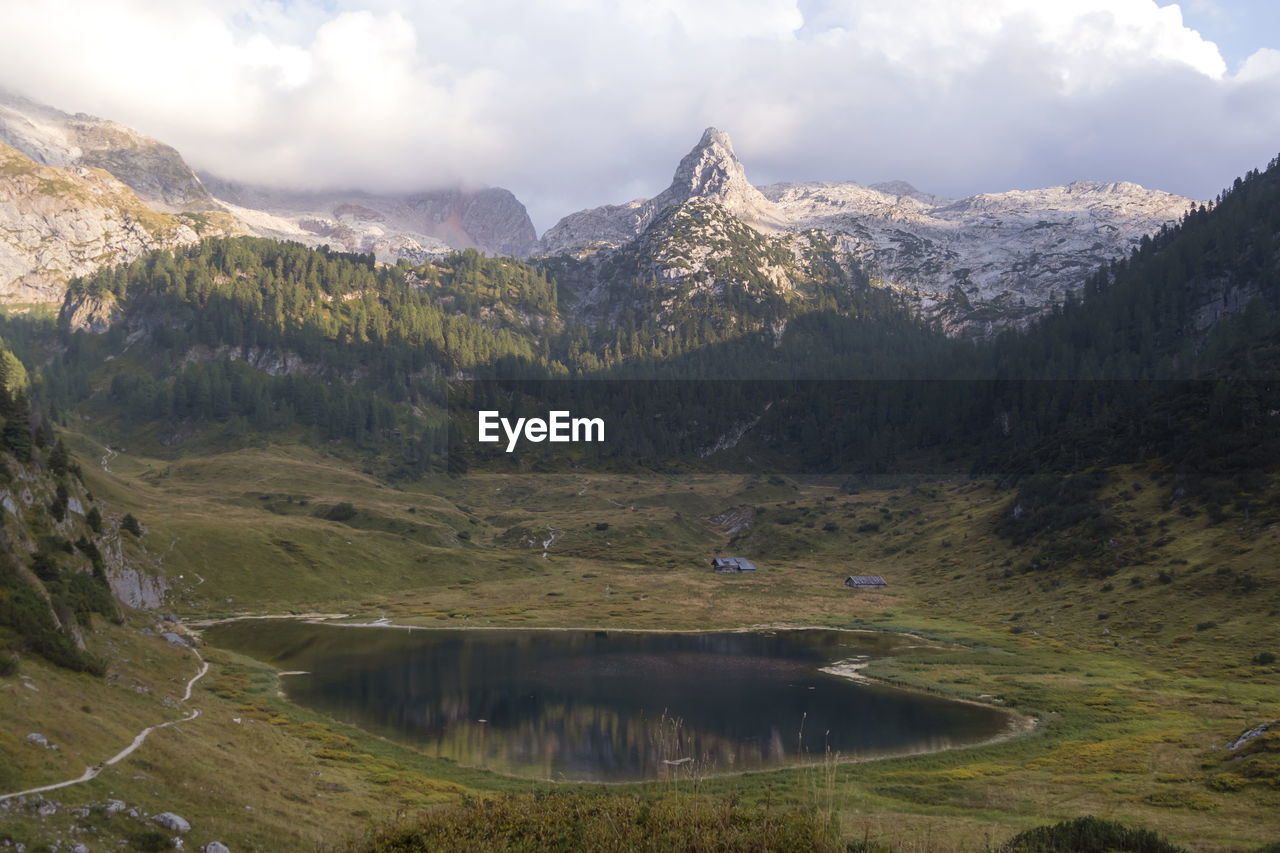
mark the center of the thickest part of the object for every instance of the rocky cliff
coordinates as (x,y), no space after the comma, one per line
(154,171)
(60,222)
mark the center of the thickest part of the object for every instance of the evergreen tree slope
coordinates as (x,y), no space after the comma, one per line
(55,543)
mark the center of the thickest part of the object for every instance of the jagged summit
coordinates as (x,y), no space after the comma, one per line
(711,172)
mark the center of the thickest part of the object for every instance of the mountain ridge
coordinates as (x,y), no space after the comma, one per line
(155,171)
(975,264)
(413,225)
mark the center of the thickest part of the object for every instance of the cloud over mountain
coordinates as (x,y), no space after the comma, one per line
(571,105)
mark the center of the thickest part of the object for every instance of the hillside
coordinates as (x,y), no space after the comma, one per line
(66,557)
(240,337)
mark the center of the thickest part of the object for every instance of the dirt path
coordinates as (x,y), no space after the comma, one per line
(91,772)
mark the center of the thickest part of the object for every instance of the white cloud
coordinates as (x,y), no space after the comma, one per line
(1262,65)
(572,103)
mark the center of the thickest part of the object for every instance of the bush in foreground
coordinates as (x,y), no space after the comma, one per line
(1089,835)
(574,821)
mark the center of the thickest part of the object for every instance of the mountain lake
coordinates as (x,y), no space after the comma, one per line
(580,705)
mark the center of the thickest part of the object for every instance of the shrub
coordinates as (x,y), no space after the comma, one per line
(131,524)
(1088,835)
(341,512)
(1264,658)
(576,821)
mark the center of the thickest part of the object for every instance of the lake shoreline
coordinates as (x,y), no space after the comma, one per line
(1016,724)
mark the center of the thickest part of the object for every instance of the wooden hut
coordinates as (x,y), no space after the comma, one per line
(864,581)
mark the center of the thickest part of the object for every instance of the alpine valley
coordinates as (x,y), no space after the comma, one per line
(1047,421)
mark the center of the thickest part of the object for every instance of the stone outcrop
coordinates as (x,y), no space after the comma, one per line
(129,584)
(90,313)
(172,822)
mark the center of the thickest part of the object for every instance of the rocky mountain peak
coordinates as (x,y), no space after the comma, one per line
(711,169)
(713,172)
(715,136)
(710,172)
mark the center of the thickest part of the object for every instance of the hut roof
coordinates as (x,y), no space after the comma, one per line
(865,580)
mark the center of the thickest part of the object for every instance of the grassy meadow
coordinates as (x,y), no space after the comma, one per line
(1138,662)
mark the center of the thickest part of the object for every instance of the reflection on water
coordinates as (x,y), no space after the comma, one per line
(586,705)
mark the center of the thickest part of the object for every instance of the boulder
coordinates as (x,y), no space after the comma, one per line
(172,822)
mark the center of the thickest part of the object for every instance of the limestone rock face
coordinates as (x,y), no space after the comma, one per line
(60,222)
(94,314)
(712,172)
(987,261)
(154,171)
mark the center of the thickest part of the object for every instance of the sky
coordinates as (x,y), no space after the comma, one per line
(573,103)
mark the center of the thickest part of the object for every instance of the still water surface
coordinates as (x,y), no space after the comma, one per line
(610,706)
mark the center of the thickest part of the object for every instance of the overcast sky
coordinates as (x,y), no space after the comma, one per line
(572,103)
